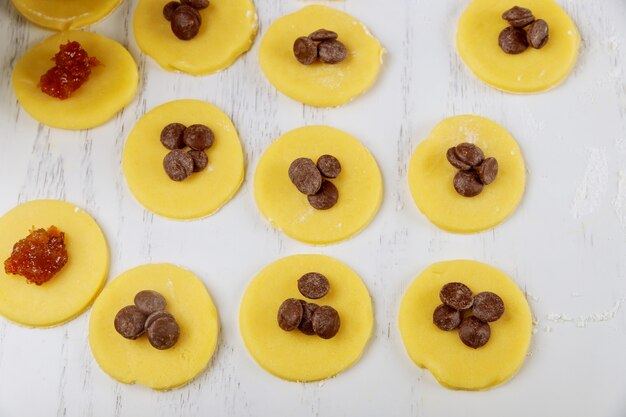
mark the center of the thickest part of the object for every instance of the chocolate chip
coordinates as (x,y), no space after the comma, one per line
(538,34)
(185,22)
(446,317)
(473,332)
(469,154)
(305,176)
(305,50)
(157,315)
(488,171)
(163,333)
(513,40)
(178,165)
(326,322)
(323,35)
(329,166)
(456,295)
(168,10)
(326,197)
(455,161)
(172,136)
(306,324)
(518,17)
(198,137)
(148,301)
(130,322)
(313,285)
(196,4)
(290,314)
(331,52)
(467,183)
(488,306)
(200,160)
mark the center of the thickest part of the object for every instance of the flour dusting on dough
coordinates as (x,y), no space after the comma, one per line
(593,186)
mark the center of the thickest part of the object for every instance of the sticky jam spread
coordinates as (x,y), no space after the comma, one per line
(39,256)
(71,70)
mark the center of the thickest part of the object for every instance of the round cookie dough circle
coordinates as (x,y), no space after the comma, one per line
(75,286)
(131,361)
(228,30)
(111,85)
(430,176)
(65,14)
(293,355)
(532,71)
(454,364)
(204,192)
(359,183)
(320,84)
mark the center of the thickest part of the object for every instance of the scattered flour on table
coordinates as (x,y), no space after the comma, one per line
(593,186)
(582,320)
(619,204)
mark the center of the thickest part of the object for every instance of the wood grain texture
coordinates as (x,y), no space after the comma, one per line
(565,245)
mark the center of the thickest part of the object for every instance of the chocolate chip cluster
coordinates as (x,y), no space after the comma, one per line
(514,39)
(184,18)
(180,164)
(311,179)
(457,299)
(310,318)
(148,315)
(475,171)
(320,45)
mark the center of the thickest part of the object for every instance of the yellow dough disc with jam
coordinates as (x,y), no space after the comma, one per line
(131,361)
(64,14)
(531,71)
(454,364)
(74,287)
(320,84)
(111,85)
(228,30)
(204,192)
(359,185)
(293,355)
(431,175)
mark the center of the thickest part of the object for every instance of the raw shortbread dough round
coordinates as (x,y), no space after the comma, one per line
(110,87)
(454,364)
(204,192)
(227,31)
(319,84)
(75,286)
(131,361)
(293,355)
(359,183)
(430,175)
(64,14)
(532,71)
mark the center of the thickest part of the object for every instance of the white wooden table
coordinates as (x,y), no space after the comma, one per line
(565,245)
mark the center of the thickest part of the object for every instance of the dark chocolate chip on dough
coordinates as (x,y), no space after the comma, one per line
(329,166)
(332,51)
(323,35)
(326,197)
(513,40)
(172,136)
(149,301)
(455,161)
(326,322)
(474,332)
(447,318)
(467,183)
(313,285)
(163,332)
(538,34)
(469,154)
(185,22)
(305,50)
(488,306)
(168,10)
(305,176)
(198,137)
(178,165)
(456,295)
(518,17)
(488,171)
(130,322)
(306,325)
(200,160)
(157,315)
(290,314)
(196,4)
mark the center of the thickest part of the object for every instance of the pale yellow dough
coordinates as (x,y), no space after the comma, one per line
(359,184)
(228,30)
(110,87)
(75,286)
(319,84)
(64,14)
(293,355)
(431,175)
(131,361)
(204,192)
(532,71)
(454,364)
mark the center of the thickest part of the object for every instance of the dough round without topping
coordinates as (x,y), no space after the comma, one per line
(359,183)
(131,361)
(111,85)
(64,14)
(431,176)
(319,84)
(442,352)
(204,192)
(227,31)
(532,71)
(293,355)
(75,286)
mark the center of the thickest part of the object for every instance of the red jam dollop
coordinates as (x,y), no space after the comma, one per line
(72,69)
